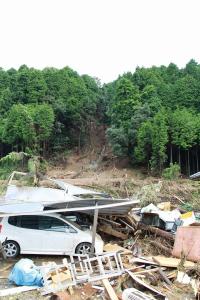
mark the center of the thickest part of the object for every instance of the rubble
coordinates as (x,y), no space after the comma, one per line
(151,253)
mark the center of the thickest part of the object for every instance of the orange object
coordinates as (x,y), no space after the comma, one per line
(187,243)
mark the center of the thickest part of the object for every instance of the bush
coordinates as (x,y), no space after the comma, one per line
(173,172)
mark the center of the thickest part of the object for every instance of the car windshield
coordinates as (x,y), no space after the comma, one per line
(71,222)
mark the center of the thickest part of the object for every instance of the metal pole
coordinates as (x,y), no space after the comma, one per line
(2,252)
(94,228)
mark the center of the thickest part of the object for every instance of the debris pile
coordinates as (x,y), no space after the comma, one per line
(117,274)
(149,253)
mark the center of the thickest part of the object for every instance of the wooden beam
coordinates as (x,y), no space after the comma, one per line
(109,230)
(110,289)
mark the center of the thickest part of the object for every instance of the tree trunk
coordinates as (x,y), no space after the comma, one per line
(179,157)
(171,154)
(188,160)
(197,158)
(156,231)
(44,148)
(79,142)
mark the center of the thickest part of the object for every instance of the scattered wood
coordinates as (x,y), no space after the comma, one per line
(61,276)
(178,198)
(164,277)
(148,271)
(109,221)
(157,231)
(161,247)
(172,275)
(84,293)
(131,221)
(110,231)
(17,290)
(114,248)
(143,260)
(141,282)
(109,289)
(129,226)
(172,262)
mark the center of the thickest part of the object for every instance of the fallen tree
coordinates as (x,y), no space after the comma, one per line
(156,231)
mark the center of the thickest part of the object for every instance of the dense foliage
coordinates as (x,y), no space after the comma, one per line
(152,115)
(45,111)
(155,116)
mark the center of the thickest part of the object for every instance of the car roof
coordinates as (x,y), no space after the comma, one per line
(49,215)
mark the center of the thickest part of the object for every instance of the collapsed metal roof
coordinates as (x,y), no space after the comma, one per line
(67,198)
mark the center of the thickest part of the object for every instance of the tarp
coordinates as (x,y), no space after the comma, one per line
(26,273)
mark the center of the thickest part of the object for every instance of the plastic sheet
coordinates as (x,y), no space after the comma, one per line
(26,273)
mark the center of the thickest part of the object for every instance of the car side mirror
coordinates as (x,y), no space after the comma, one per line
(71,230)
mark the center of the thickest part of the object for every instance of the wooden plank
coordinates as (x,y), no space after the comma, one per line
(109,289)
(114,248)
(147,271)
(61,277)
(109,230)
(172,262)
(143,260)
(17,290)
(109,221)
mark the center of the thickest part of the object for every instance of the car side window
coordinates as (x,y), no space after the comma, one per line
(53,224)
(29,222)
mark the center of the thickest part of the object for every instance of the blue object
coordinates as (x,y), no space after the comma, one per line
(25,272)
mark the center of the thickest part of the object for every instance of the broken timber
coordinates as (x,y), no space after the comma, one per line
(161,247)
(109,289)
(139,281)
(109,230)
(157,231)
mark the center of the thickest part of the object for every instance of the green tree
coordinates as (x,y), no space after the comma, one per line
(184,128)
(19,127)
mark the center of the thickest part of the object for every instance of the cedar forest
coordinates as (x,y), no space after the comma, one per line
(152,116)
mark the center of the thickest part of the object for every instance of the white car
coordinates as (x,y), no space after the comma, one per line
(51,234)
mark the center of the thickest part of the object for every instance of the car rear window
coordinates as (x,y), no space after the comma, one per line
(13,221)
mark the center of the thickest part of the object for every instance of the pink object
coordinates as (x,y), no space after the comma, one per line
(187,243)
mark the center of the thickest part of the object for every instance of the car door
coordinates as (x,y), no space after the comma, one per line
(28,235)
(58,236)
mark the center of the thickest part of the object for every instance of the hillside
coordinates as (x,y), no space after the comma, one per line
(103,171)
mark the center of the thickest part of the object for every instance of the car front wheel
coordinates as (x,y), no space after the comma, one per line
(84,248)
(11,249)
